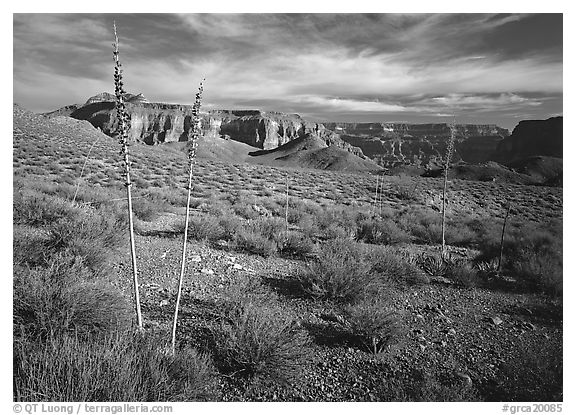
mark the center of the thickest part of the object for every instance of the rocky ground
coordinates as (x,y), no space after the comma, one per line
(458,344)
(486,343)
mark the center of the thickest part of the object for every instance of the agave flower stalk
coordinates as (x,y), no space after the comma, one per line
(376,195)
(194,134)
(123,126)
(286,213)
(449,152)
(502,237)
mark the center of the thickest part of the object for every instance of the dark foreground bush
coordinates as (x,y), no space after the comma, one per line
(65,297)
(532,255)
(374,324)
(296,244)
(127,367)
(260,342)
(463,274)
(340,273)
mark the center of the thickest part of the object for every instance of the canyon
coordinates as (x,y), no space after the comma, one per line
(392,146)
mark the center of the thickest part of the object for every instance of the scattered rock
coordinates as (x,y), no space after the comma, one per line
(451,332)
(238,267)
(163,303)
(495,320)
(464,378)
(195,258)
(207,271)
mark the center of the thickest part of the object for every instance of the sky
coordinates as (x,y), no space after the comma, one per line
(416,68)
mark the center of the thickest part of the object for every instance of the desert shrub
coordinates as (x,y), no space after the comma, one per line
(433,265)
(65,297)
(230,226)
(390,266)
(254,242)
(243,205)
(373,324)
(273,229)
(335,231)
(425,226)
(336,223)
(260,341)
(175,197)
(459,234)
(204,228)
(92,236)
(28,246)
(296,244)
(407,192)
(540,269)
(38,210)
(94,196)
(384,232)
(463,274)
(532,254)
(307,225)
(122,367)
(340,272)
(260,236)
(146,210)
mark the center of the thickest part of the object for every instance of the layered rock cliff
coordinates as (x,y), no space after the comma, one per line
(154,123)
(532,138)
(421,145)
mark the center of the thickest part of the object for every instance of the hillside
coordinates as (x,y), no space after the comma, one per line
(295,277)
(310,151)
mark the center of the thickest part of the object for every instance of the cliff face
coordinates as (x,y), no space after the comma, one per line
(421,145)
(154,123)
(532,138)
(265,130)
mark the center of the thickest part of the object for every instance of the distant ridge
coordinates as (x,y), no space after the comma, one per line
(311,151)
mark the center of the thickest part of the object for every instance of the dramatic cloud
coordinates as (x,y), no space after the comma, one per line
(418,67)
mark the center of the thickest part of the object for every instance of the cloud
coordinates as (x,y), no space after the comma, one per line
(326,65)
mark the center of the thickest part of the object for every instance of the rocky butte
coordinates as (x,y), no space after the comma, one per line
(532,138)
(155,123)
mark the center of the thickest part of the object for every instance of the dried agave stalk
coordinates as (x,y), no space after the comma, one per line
(286,213)
(502,238)
(194,134)
(376,195)
(123,126)
(449,151)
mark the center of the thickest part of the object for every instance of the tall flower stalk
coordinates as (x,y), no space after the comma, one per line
(502,237)
(123,126)
(194,134)
(449,152)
